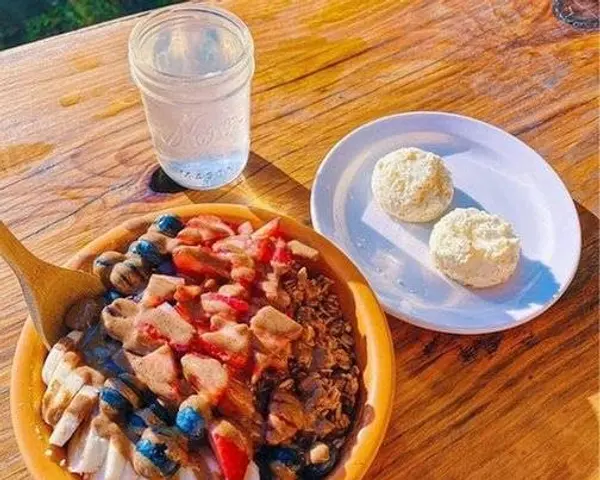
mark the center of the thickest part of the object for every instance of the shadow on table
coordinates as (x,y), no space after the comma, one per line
(262,184)
(528,392)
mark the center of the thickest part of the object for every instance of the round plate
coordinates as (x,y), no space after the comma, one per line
(374,348)
(491,170)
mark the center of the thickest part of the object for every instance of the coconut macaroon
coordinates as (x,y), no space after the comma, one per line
(412,185)
(474,248)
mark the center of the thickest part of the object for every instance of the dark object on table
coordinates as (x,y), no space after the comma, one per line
(161,183)
(580,14)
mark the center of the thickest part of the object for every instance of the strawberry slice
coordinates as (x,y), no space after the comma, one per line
(211,222)
(188,304)
(216,303)
(231,448)
(198,236)
(234,290)
(192,312)
(196,261)
(159,370)
(237,362)
(235,243)
(229,342)
(269,229)
(206,375)
(245,228)
(190,236)
(243,275)
(165,324)
(160,289)
(203,229)
(187,293)
(262,250)
(282,257)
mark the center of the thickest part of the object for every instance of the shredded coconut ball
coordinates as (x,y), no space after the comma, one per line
(474,248)
(412,185)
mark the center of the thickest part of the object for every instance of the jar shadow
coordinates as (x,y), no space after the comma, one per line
(261,184)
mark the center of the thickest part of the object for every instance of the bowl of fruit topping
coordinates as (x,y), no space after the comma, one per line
(230,344)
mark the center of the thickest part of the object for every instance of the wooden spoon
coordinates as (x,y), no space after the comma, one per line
(48,290)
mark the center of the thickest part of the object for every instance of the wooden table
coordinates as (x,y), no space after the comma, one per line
(75,159)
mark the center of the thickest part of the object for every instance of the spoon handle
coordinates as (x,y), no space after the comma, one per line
(29,269)
(22,261)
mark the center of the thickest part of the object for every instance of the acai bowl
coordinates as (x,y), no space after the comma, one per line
(243,346)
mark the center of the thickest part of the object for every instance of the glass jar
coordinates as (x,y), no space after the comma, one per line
(193,65)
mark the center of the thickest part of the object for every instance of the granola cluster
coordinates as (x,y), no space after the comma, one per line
(323,368)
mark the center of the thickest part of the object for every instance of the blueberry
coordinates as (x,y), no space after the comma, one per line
(314,471)
(286,455)
(190,423)
(157,454)
(111,295)
(168,224)
(148,251)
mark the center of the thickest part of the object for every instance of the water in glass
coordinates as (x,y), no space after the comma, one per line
(194,68)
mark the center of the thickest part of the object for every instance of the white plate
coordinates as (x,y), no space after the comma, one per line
(491,170)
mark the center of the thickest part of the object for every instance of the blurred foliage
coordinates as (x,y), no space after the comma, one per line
(23,21)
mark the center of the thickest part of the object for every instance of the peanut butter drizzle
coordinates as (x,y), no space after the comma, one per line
(59,400)
(73,359)
(80,406)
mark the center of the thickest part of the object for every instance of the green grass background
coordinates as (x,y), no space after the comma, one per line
(23,21)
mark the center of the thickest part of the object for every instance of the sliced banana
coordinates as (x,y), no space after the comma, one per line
(57,352)
(89,457)
(129,472)
(77,444)
(115,462)
(114,465)
(78,410)
(73,383)
(68,363)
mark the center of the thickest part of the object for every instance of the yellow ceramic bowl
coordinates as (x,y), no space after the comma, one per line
(373,346)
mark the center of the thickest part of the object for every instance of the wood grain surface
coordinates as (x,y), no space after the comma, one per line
(75,159)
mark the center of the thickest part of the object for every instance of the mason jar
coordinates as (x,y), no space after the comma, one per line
(193,65)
